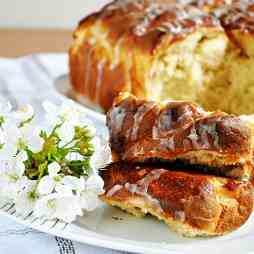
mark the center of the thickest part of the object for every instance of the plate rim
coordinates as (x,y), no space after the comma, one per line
(93,238)
(101,240)
(65,78)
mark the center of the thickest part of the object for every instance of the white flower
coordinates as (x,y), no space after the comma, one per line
(58,206)
(12,175)
(89,197)
(14,139)
(49,182)
(30,137)
(24,114)
(26,198)
(14,167)
(102,154)
(64,185)
(70,184)
(67,112)
(9,140)
(66,133)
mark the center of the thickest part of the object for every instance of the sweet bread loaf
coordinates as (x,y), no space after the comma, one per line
(191,204)
(178,131)
(200,51)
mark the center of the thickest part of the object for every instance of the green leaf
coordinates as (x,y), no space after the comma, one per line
(37,163)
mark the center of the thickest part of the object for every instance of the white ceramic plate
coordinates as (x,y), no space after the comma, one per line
(63,87)
(111,228)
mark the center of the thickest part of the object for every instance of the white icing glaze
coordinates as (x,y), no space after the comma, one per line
(151,12)
(169,143)
(193,136)
(185,10)
(100,67)
(114,190)
(116,53)
(138,117)
(117,115)
(124,3)
(88,69)
(211,130)
(141,187)
(186,115)
(155,132)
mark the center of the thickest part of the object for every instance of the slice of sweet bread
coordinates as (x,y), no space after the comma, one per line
(191,204)
(178,131)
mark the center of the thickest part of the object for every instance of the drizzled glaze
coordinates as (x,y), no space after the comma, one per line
(182,16)
(87,69)
(100,69)
(141,188)
(193,199)
(138,117)
(176,128)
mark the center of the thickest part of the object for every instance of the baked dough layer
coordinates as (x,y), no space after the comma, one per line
(191,204)
(147,131)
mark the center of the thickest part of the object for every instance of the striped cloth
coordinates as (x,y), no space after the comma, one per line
(30,80)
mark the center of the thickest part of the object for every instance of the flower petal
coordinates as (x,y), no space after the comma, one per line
(46,185)
(36,144)
(102,155)
(95,183)
(66,133)
(45,206)
(31,137)
(63,190)
(74,183)
(19,168)
(67,208)
(26,199)
(22,156)
(53,168)
(24,113)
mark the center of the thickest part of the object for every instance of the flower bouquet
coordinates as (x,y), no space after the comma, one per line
(51,169)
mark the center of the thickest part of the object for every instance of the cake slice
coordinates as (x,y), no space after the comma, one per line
(178,131)
(191,204)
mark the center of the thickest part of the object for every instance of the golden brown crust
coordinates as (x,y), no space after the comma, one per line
(114,49)
(193,204)
(142,131)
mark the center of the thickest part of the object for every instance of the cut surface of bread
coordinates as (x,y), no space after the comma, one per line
(145,131)
(200,51)
(191,204)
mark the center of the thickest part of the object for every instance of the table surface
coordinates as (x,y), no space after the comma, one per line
(19,42)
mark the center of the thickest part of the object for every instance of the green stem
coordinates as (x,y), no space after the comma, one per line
(69,143)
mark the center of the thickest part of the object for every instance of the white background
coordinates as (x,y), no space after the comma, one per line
(45,13)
